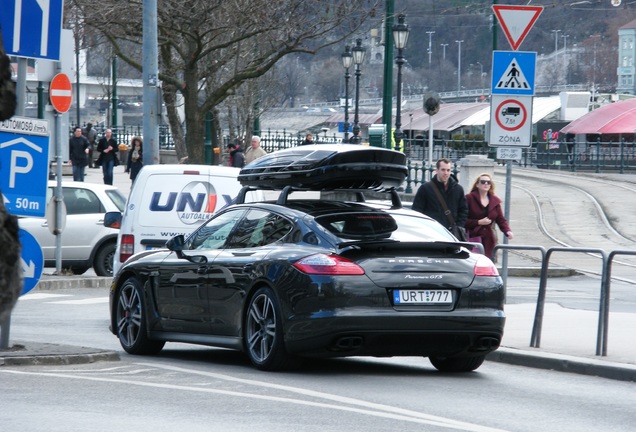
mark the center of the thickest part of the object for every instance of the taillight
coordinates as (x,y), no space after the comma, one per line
(485,267)
(126,247)
(322,264)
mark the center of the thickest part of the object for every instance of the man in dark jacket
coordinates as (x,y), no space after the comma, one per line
(427,201)
(108,148)
(91,136)
(78,149)
(237,158)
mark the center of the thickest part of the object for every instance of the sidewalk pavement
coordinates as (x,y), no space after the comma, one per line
(568,337)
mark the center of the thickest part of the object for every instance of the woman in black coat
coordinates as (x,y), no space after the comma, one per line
(135,157)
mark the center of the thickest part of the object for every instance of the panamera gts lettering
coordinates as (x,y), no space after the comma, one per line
(418,261)
(423,276)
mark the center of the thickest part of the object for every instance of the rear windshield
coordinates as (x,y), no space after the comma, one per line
(381,225)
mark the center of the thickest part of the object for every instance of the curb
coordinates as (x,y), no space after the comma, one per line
(564,363)
(43,354)
(50,283)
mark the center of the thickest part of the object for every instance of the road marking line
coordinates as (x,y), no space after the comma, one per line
(97,300)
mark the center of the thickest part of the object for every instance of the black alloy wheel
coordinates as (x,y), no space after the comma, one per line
(131,321)
(264,334)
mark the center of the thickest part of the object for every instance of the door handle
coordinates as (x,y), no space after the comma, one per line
(202,270)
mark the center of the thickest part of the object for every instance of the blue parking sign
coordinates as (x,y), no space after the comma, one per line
(24,165)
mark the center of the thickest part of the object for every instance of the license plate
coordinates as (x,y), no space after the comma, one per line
(422,297)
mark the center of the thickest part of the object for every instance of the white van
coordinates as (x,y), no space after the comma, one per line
(172,199)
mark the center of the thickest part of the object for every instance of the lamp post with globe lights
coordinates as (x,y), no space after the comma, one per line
(358,52)
(347,61)
(400,38)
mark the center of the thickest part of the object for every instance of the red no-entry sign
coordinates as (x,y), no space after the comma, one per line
(60,93)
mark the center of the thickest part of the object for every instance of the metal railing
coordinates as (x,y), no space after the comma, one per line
(605,288)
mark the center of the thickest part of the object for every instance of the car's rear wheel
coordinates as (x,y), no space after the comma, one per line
(103,263)
(457,364)
(264,332)
(130,316)
(78,270)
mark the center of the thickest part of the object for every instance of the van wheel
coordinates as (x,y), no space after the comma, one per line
(103,263)
(130,320)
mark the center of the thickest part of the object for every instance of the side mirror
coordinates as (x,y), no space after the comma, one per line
(112,220)
(176,243)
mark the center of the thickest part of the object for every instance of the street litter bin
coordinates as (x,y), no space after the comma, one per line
(377,135)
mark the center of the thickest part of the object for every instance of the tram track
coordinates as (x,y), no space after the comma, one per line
(577,211)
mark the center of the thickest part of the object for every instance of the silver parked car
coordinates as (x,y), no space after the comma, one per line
(86,242)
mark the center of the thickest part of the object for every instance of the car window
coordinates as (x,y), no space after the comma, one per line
(259,228)
(117,198)
(381,225)
(81,201)
(214,234)
(359,225)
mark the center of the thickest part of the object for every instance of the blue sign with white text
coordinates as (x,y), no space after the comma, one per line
(24,171)
(32,28)
(513,72)
(32,260)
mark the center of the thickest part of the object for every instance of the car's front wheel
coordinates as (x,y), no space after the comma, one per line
(264,332)
(130,319)
(103,263)
(457,364)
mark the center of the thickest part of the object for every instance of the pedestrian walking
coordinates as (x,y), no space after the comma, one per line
(91,136)
(135,157)
(309,139)
(484,210)
(237,158)
(442,198)
(108,148)
(254,151)
(78,149)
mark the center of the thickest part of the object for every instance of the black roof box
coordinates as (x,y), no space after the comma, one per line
(326,167)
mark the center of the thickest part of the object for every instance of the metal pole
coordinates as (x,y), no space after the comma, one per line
(430,45)
(459,66)
(430,147)
(115,98)
(356,125)
(152,102)
(398,134)
(346,111)
(21,88)
(387,100)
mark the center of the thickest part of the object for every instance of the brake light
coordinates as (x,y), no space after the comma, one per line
(485,267)
(126,247)
(322,264)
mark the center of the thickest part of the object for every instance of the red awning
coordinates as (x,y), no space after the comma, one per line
(616,118)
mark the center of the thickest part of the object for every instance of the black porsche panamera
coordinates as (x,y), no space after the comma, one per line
(301,278)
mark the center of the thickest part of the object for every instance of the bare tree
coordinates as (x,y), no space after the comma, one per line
(209,48)
(10,276)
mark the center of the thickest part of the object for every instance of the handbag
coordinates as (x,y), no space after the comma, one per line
(459,232)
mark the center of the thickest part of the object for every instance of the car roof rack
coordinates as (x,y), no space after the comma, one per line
(396,201)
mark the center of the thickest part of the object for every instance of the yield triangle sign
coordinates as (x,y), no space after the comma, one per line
(516,21)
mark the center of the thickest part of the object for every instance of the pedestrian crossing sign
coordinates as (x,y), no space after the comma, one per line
(513,72)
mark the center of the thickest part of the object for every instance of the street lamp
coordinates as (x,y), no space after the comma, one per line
(481,76)
(347,61)
(358,52)
(459,66)
(430,44)
(400,37)
(444,51)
